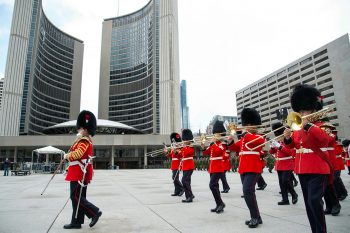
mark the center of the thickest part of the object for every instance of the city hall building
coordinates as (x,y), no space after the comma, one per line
(327,68)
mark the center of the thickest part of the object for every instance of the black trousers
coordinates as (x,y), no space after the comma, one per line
(249,181)
(284,179)
(339,185)
(261,182)
(224,181)
(186,182)
(214,186)
(85,207)
(177,183)
(293,179)
(330,197)
(313,187)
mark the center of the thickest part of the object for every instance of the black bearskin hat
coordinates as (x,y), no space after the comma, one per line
(305,97)
(175,137)
(187,135)
(346,142)
(276,126)
(87,120)
(250,116)
(218,127)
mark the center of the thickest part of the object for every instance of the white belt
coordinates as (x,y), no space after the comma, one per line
(249,153)
(188,158)
(174,159)
(338,156)
(216,158)
(347,158)
(305,151)
(284,158)
(77,162)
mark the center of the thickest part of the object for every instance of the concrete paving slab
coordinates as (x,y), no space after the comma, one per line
(140,201)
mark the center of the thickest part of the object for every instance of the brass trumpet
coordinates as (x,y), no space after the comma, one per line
(295,122)
(158,152)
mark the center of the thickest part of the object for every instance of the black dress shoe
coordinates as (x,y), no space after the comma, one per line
(242,196)
(72,226)
(95,219)
(295,199)
(220,208)
(187,200)
(253,223)
(181,193)
(214,210)
(259,221)
(174,194)
(336,210)
(262,187)
(327,211)
(225,190)
(283,203)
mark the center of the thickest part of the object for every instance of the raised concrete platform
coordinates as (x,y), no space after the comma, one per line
(140,201)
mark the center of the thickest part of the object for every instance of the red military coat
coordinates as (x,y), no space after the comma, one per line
(227,162)
(77,157)
(284,158)
(175,159)
(249,161)
(331,150)
(187,154)
(307,161)
(347,158)
(217,152)
(340,157)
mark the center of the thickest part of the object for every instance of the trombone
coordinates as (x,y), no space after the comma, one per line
(158,152)
(295,122)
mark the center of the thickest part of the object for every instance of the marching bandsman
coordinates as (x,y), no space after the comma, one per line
(249,162)
(174,155)
(80,171)
(227,167)
(187,154)
(332,203)
(340,189)
(284,165)
(346,150)
(311,162)
(216,151)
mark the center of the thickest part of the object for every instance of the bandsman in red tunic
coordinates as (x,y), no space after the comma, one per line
(311,163)
(216,151)
(284,165)
(330,196)
(227,167)
(249,162)
(175,156)
(187,154)
(80,171)
(340,189)
(346,152)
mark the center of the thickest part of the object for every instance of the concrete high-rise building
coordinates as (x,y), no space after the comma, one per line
(43,73)
(1,89)
(327,68)
(184,107)
(139,72)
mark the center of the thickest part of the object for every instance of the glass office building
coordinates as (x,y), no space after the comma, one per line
(139,82)
(43,73)
(184,107)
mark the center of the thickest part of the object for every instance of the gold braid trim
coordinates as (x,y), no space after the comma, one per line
(82,146)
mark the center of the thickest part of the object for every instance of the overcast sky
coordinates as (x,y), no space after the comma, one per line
(224,45)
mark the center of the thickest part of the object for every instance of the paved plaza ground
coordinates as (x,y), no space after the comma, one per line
(140,201)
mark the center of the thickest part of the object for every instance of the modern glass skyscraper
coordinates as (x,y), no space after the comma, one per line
(139,72)
(184,107)
(43,73)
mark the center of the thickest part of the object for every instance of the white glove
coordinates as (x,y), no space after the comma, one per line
(275,144)
(65,156)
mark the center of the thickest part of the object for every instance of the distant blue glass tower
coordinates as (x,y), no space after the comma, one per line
(184,107)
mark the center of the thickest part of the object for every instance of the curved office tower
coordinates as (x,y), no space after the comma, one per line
(43,73)
(139,76)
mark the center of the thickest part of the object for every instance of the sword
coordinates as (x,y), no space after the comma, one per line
(82,184)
